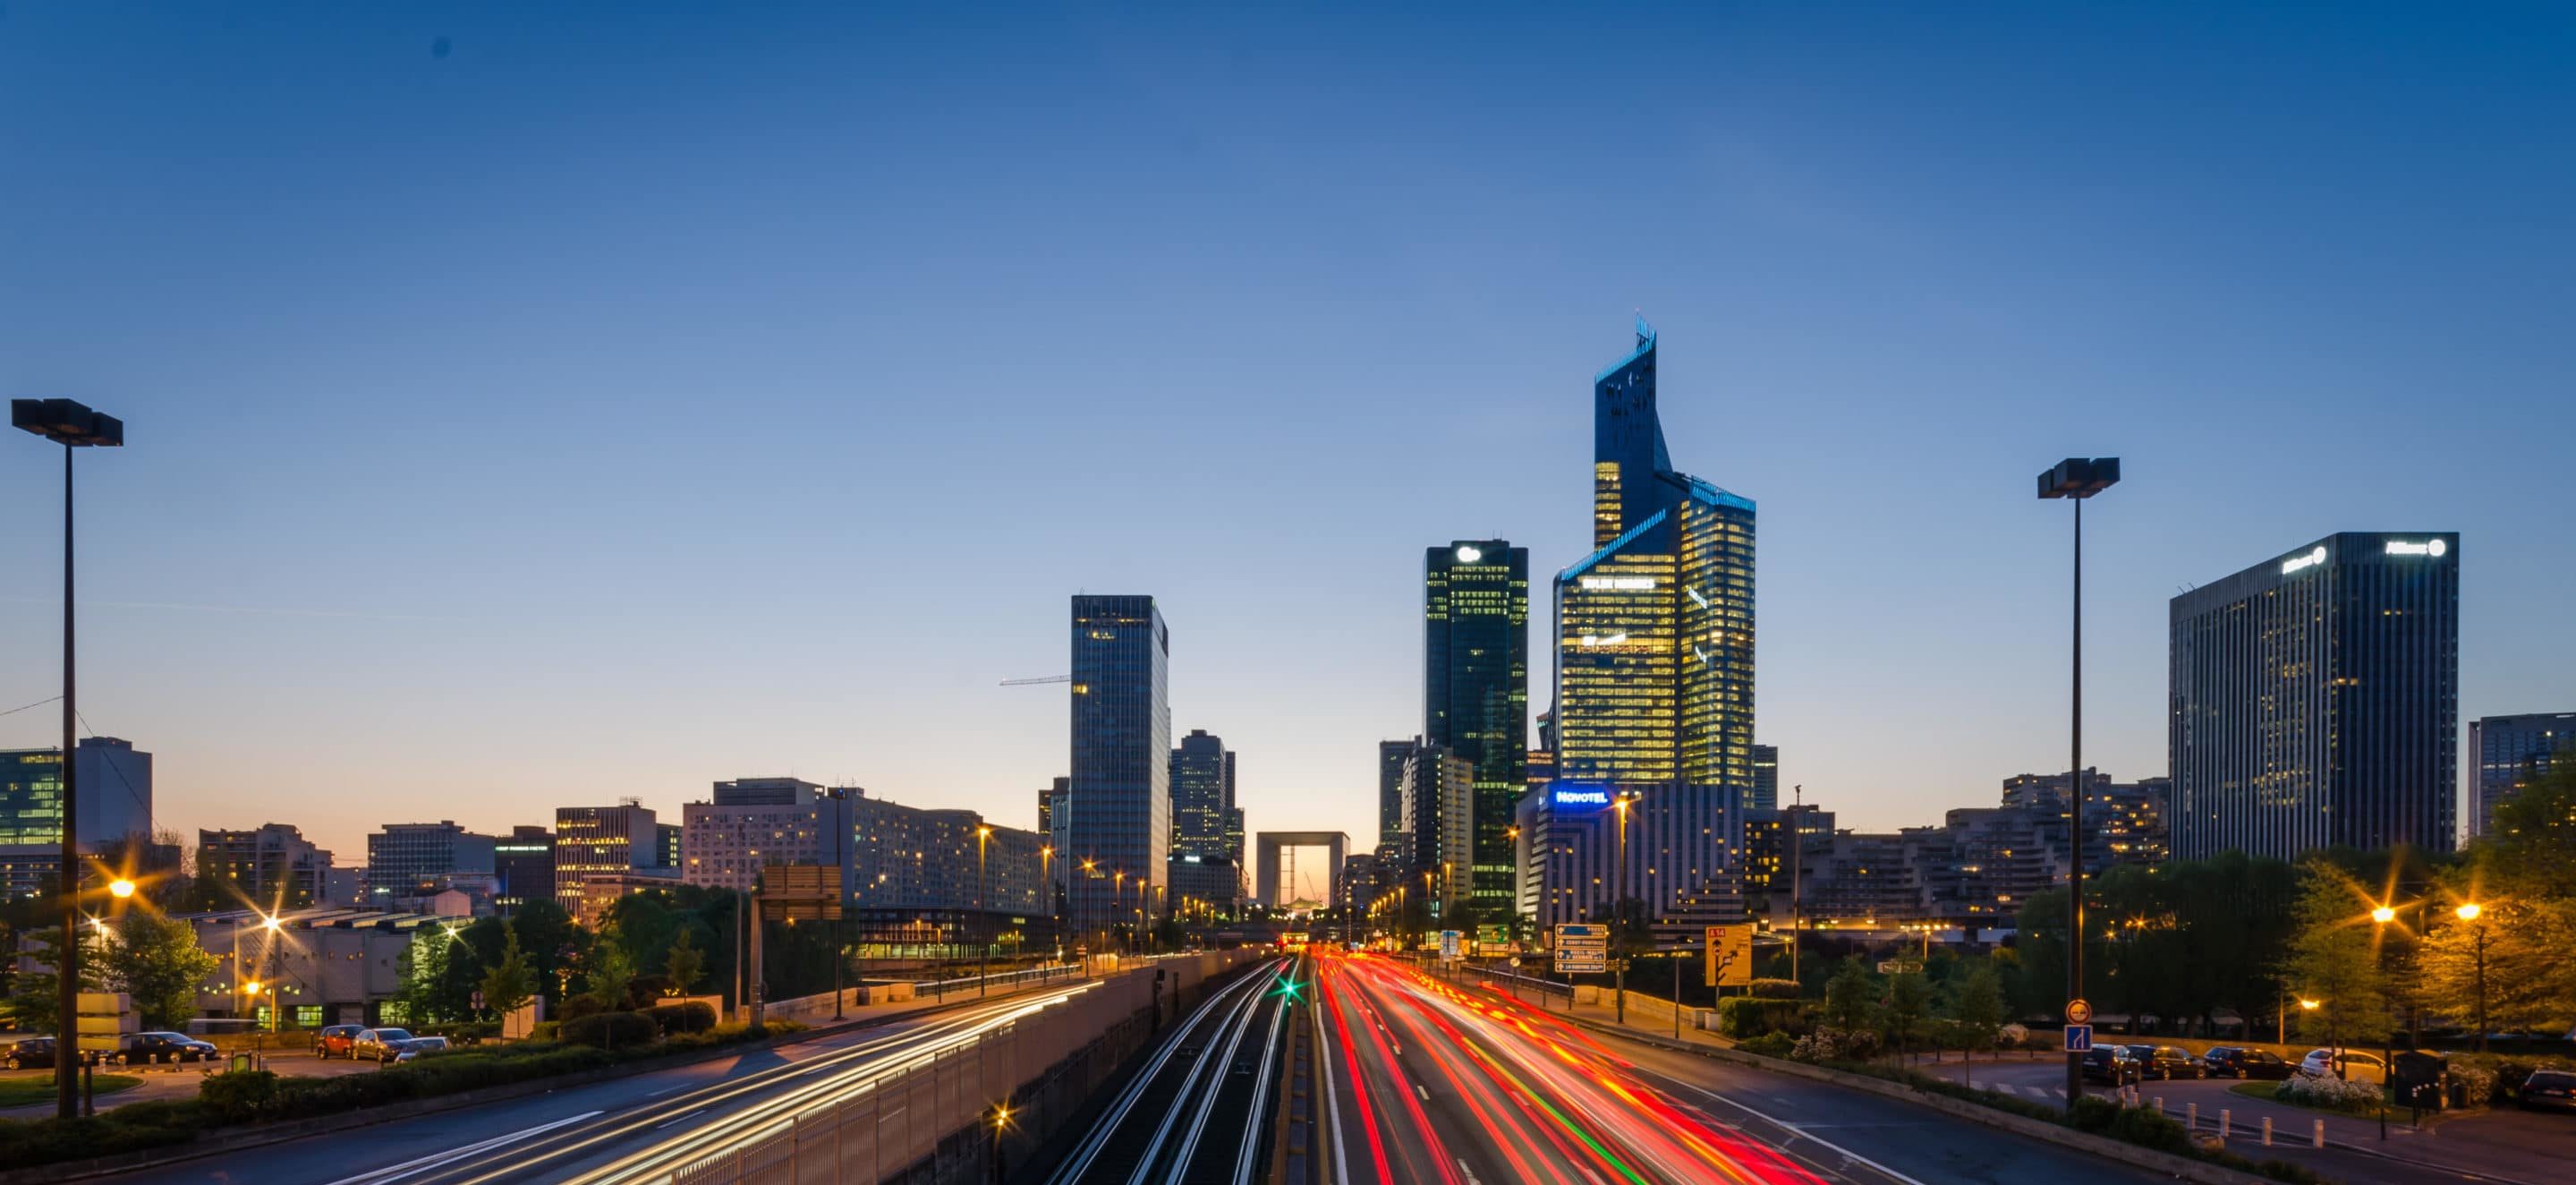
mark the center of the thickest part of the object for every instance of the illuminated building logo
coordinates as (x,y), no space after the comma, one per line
(1590,640)
(2431,547)
(1619,583)
(1469,555)
(1581,798)
(2310,560)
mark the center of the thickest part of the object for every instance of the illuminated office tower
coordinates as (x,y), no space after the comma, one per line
(2315,701)
(1203,798)
(1475,695)
(1655,628)
(1119,801)
(1391,756)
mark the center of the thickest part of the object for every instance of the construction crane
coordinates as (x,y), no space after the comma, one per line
(1034,682)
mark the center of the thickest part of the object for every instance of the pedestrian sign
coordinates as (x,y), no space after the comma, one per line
(2079,1038)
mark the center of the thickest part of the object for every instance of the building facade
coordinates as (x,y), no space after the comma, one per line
(599,841)
(750,823)
(1120,796)
(2315,700)
(523,863)
(115,781)
(1203,810)
(270,868)
(2510,751)
(1766,778)
(408,860)
(1475,693)
(945,882)
(1391,827)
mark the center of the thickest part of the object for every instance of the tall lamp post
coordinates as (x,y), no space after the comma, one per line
(73,426)
(2078,479)
(2470,911)
(984,919)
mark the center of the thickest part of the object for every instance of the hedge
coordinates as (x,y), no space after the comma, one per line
(612,1030)
(688,1016)
(1752,1016)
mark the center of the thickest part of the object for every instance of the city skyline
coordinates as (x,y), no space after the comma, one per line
(320,584)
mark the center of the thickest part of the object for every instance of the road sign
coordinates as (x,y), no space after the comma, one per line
(2079,1038)
(1582,949)
(1729,956)
(2078,1012)
(800,893)
(1516,961)
(1449,945)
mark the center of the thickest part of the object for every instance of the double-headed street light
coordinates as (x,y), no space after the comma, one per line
(73,426)
(2078,479)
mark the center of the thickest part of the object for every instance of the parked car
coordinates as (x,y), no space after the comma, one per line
(392,1045)
(2349,1064)
(337,1041)
(33,1053)
(2163,1062)
(2109,1065)
(2226,1061)
(157,1047)
(2548,1090)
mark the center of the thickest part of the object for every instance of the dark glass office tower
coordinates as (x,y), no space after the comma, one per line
(1475,692)
(1120,796)
(1766,778)
(2315,700)
(1203,798)
(2509,752)
(1391,756)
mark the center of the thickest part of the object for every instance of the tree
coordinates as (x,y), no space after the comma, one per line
(32,1004)
(2333,959)
(1848,995)
(2529,981)
(611,974)
(1978,1010)
(156,960)
(510,983)
(1901,1016)
(686,963)
(2534,836)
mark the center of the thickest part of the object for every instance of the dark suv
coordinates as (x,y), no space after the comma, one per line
(2164,1062)
(2227,1061)
(2109,1065)
(163,1047)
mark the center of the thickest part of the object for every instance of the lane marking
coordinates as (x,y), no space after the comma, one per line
(1846,1153)
(413,1168)
(1471,1173)
(666,1090)
(1417,1089)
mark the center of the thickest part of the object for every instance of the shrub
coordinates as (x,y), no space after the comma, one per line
(1769,1045)
(2334,1094)
(690,1016)
(2486,1088)
(1775,989)
(1752,1016)
(545,1030)
(1833,1045)
(240,1096)
(612,1030)
(2012,1037)
(2092,1114)
(2148,1129)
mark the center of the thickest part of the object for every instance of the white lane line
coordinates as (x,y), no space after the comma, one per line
(1847,1153)
(1332,1091)
(1417,1089)
(413,1168)
(676,1118)
(666,1090)
(1471,1173)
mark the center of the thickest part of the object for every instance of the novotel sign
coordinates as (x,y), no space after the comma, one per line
(1581,798)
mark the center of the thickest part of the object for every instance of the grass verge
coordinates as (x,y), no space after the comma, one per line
(25,1091)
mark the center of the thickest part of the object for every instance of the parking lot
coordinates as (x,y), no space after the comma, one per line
(180,1081)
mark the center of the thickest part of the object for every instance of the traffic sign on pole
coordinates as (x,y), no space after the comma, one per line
(1583,949)
(2078,1012)
(2079,1038)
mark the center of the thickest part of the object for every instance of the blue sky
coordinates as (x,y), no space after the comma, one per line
(633,396)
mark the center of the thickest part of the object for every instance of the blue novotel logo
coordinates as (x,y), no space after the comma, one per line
(1582,798)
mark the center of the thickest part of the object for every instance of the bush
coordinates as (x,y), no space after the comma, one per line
(545,1030)
(2334,1094)
(612,1030)
(690,1016)
(1752,1016)
(1775,989)
(2093,1114)
(1769,1045)
(240,1096)
(2148,1129)
(1830,1045)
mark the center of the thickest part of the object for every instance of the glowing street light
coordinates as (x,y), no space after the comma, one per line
(120,888)
(2469,911)
(2383,915)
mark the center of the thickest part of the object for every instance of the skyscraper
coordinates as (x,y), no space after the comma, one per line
(1391,756)
(1654,660)
(2509,752)
(2315,700)
(1203,797)
(1766,778)
(1120,797)
(115,808)
(1475,693)
(601,841)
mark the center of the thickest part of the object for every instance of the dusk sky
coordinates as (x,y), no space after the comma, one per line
(539,405)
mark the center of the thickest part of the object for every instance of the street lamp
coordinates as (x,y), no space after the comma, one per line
(2471,911)
(983,941)
(73,426)
(120,888)
(2079,479)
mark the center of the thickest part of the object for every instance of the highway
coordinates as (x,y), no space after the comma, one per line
(636,1129)
(1433,1083)
(1196,1112)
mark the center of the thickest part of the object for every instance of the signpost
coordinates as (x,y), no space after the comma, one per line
(1730,956)
(1449,946)
(2078,1012)
(1583,949)
(2079,1038)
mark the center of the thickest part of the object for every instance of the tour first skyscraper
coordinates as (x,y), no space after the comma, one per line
(1475,695)
(1120,793)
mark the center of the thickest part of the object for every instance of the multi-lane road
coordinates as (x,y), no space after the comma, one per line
(1429,1082)
(633,1129)
(1196,1112)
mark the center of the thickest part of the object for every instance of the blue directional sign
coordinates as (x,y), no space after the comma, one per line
(2079,1038)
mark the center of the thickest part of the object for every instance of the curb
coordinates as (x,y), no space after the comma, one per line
(258,1136)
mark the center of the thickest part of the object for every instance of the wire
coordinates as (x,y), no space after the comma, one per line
(38,704)
(130,791)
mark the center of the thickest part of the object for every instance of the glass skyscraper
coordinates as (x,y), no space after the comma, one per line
(2315,700)
(1203,811)
(1475,694)
(1654,683)
(2510,751)
(1120,797)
